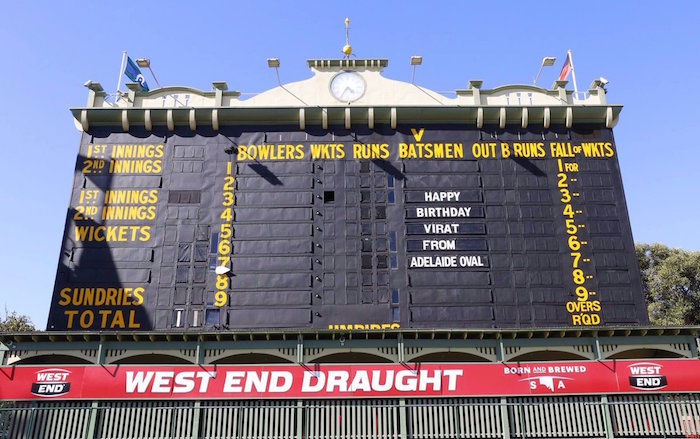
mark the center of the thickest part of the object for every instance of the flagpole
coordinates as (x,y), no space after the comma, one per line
(573,74)
(121,73)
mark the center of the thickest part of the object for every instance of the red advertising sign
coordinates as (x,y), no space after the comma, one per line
(348,381)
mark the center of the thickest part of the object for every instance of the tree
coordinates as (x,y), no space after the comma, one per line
(14,322)
(671,284)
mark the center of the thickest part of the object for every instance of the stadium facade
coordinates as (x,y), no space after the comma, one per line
(348,256)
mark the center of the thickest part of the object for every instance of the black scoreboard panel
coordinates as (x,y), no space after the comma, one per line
(419,227)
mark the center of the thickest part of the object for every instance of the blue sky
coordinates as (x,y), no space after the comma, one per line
(647,50)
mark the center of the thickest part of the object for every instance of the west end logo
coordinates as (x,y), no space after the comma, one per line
(51,383)
(646,376)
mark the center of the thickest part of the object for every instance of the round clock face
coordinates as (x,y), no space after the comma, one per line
(347,86)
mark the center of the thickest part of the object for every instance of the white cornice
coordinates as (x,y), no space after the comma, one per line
(309,102)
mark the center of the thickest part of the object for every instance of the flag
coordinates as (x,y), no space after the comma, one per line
(566,69)
(134,73)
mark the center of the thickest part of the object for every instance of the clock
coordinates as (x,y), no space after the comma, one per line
(348,86)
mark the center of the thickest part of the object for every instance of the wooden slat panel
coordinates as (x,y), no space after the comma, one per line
(361,419)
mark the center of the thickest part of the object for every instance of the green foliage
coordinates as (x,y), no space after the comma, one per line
(671,284)
(14,322)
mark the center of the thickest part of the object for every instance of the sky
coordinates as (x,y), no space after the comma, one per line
(648,51)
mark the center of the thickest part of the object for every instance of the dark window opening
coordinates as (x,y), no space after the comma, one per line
(184,197)
(214,243)
(395,296)
(328,196)
(365,213)
(212,317)
(182,274)
(366,278)
(382,278)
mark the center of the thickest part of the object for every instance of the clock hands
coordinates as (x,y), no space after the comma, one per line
(347,89)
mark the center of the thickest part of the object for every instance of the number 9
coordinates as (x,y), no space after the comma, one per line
(220,298)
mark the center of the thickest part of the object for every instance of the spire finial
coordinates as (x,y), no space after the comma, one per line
(347,49)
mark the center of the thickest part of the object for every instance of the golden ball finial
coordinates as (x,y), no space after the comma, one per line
(347,50)
(347,21)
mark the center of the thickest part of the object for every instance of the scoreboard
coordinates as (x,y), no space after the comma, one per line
(425,226)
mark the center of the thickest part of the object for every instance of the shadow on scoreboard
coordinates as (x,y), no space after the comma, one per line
(530,166)
(265,173)
(389,169)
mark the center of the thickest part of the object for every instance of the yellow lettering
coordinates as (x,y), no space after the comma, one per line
(528,149)
(327,151)
(364,326)
(484,150)
(561,149)
(241,154)
(137,151)
(70,315)
(111,299)
(505,150)
(86,319)
(129,166)
(118,320)
(270,152)
(88,297)
(431,150)
(138,294)
(132,323)
(370,151)
(102,296)
(417,135)
(104,313)
(65,297)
